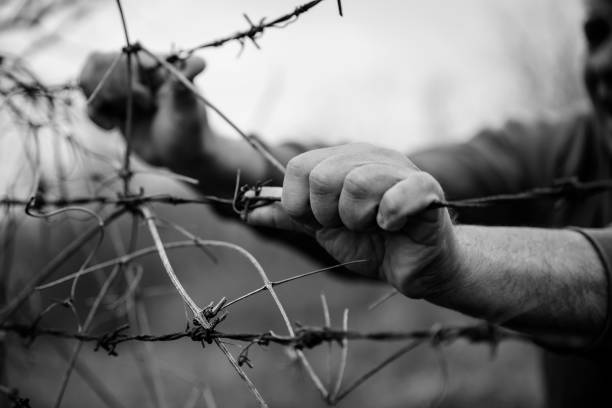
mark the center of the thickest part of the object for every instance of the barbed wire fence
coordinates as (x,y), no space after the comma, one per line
(33,106)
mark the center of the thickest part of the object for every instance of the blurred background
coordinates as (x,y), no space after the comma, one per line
(403,74)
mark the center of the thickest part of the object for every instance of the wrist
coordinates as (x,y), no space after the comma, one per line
(446,273)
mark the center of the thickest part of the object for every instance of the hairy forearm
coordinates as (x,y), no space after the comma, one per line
(546,283)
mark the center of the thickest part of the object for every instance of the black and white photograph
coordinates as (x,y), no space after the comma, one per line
(306,203)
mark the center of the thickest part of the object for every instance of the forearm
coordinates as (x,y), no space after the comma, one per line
(215,166)
(547,283)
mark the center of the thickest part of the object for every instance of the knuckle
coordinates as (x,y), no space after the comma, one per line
(348,214)
(358,183)
(321,181)
(392,205)
(296,166)
(357,216)
(428,184)
(293,208)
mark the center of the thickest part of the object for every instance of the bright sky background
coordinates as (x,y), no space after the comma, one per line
(401,73)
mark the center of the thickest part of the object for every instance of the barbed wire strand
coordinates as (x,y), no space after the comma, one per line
(305,337)
(256,30)
(89,376)
(252,141)
(128,50)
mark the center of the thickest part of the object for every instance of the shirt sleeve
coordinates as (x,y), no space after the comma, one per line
(601,239)
(516,157)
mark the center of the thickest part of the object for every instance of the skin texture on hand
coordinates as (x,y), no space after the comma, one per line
(364,202)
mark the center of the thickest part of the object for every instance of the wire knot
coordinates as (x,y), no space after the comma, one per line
(132,48)
(109,341)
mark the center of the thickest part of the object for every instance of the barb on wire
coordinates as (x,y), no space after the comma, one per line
(269,286)
(571,188)
(256,30)
(39,201)
(195,309)
(304,337)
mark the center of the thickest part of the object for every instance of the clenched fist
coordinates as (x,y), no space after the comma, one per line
(366,202)
(169,127)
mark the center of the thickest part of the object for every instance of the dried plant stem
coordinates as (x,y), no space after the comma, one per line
(409,347)
(343,360)
(383,299)
(270,288)
(86,325)
(122,260)
(195,309)
(13,304)
(126,173)
(327,324)
(161,250)
(107,74)
(90,377)
(139,316)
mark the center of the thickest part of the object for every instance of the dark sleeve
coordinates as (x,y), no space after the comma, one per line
(601,239)
(514,158)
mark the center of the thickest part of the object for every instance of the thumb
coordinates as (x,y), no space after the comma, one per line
(177,94)
(193,66)
(190,68)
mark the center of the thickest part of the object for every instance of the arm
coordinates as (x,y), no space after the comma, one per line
(547,283)
(365,203)
(170,125)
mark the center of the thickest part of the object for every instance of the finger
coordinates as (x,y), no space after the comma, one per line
(328,179)
(407,198)
(194,65)
(299,181)
(362,190)
(274,216)
(344,245)
(296,186)
(181,97)
(102,119)
(96,64)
